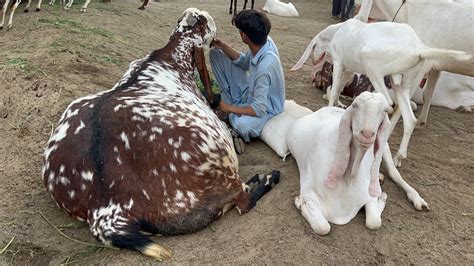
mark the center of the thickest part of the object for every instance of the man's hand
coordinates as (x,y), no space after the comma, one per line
(225,47)
(224,107)
(217,43)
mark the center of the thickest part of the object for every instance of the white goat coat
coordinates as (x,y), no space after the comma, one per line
(312,142)
(278,8)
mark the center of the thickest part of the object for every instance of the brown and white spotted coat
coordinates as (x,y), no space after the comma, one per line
(149,154)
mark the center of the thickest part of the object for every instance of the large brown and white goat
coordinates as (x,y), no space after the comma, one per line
(379,50)
(150,155)
(339,153)
(13,5)
(234,2)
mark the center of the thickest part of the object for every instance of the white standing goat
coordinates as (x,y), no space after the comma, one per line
(338,153)
(378,50)
(438,23)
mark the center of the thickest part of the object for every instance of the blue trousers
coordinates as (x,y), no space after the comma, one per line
(234,85)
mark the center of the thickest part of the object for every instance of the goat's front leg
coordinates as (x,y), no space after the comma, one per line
(339,80)
(10,20)
(200,60)
(418,202)
(373,211)
(84,7)
(245,4)
(433,77)
(378,82)
(311,212)
(4,13)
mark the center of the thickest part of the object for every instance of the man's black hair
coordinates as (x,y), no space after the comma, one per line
(256,25)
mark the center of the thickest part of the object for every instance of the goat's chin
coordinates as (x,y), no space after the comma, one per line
(365,145)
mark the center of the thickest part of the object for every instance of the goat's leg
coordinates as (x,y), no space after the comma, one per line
(394,119)
(4,13)
(143,5)
(339,80)
(247,198)
(378,82)
(245,4)
(235,7)
(433,77)
(311,212)
(253,4)
(38,6)
(68,5)
(84,7)
(27,8)
(10,20)
(409,122)
(373,212)
(418,202)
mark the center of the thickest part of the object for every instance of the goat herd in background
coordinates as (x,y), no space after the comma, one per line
(122,193)
(13,5)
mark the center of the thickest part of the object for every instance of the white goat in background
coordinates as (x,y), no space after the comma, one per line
(378,50)
(276,7)
(442,23)
(338,153)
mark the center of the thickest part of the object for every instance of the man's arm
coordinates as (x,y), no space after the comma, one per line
(244,110)
(226,48)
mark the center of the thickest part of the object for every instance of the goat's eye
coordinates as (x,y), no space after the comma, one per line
(354,105)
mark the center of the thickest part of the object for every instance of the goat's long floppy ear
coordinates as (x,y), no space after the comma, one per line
(343,151)
(383,133)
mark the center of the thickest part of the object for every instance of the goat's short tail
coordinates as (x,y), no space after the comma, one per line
(130,236)
(435,53)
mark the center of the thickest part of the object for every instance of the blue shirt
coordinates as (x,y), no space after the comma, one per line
(266,92)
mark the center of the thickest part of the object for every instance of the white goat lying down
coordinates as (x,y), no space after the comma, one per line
(378,50)
(339,154)
(276,7)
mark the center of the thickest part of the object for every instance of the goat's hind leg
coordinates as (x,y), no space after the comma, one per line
(418,202)
(339,80)
(254,189)
(428,96)
(313,215)
(373,212)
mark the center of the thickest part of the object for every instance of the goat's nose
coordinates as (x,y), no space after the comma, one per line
(367,133)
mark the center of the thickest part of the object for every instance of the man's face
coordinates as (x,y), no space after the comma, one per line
(244,37)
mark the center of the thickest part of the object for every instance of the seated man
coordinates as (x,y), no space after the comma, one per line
(252,84)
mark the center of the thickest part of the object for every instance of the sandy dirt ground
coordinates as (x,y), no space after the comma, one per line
(51,57)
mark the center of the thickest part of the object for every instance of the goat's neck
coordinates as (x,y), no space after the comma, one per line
(356,156)
(180,52)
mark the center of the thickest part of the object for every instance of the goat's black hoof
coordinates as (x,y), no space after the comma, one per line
(38,10)
(142,8)
(1,28)
(276,174)
(26,11)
